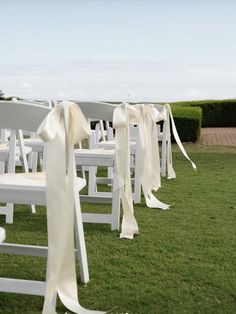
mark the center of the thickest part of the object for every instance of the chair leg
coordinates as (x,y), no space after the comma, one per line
(8,212)
(137,190)
(30,160)
(9,208)
(169,150)
(137,181)
(34,161)
(115,203)
(2,167)
(34,165)
(137,175)
(164,151)
(33,209)
(92,186)
(80,243)
(110,174)
(9,216)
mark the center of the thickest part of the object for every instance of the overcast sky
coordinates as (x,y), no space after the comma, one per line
(118,49)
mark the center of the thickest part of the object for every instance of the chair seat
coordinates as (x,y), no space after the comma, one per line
(111,145)
(2,234)
(96,152)
(30,184)
(34,180)
(94,157)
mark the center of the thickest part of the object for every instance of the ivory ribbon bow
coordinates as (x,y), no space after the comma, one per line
(63,127)
(123,116)
(149,158)
(166,113)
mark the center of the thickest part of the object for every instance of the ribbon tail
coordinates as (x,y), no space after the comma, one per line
(153,202)
(178,141)
(129,225)
(74,306)
(171,172)
(129,228)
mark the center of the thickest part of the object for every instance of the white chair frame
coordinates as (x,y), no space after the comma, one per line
(2,234)
(110,145)
(13,116)
(94,158)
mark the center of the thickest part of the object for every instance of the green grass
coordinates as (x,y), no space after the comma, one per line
(183,261)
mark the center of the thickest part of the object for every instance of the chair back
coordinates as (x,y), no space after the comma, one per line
(22,115)
(97,110)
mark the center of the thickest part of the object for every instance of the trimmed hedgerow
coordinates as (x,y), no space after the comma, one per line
(188,122)
(215,113)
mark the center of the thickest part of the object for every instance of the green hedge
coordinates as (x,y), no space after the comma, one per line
(188,122)
(215,113)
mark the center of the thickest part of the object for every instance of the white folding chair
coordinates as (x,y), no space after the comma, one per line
(94,158)
(108,143)
(2,234)
(30,188)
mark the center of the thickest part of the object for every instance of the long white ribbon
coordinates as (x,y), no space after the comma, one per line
(123,116)
(167,113)
(149,152)
(63,127)
(165,116)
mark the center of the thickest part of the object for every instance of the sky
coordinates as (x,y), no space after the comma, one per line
(118,50)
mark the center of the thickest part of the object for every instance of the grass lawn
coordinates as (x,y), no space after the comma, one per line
(183,261)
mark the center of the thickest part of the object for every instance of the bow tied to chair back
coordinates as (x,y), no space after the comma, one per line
(149,158)
(123,116)
(63,127)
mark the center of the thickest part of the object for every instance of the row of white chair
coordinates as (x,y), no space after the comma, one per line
(90,159)
(30,188)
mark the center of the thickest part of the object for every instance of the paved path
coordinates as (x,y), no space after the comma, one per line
(218,136)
